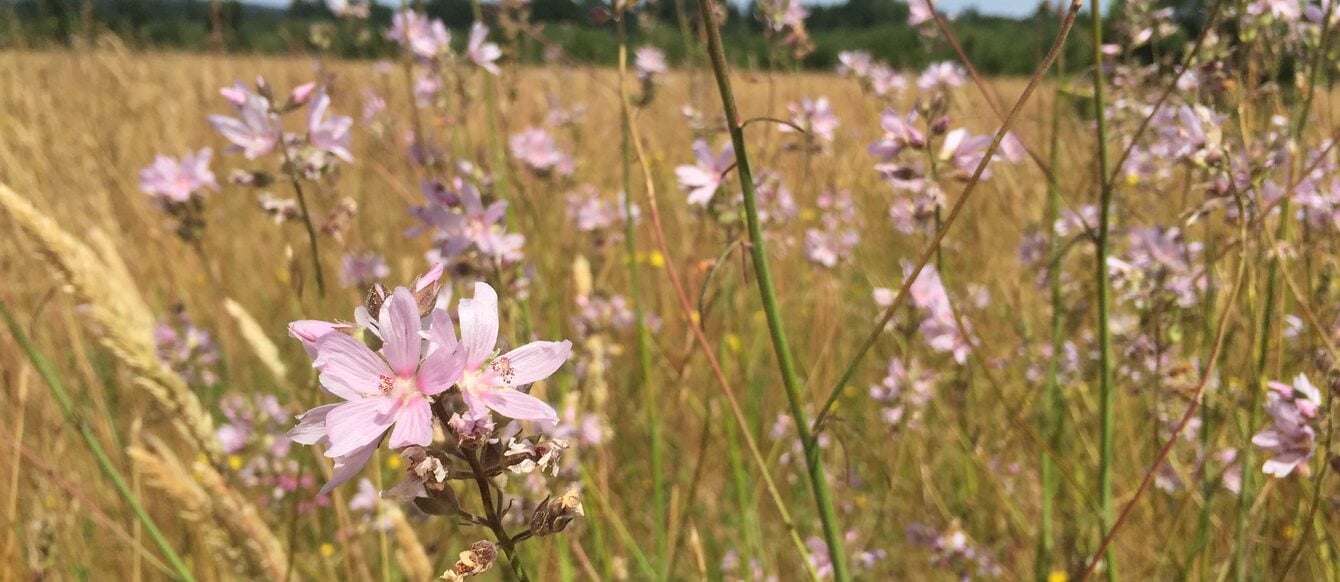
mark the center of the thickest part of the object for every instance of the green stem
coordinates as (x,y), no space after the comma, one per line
(292,170)
(1052,408)
(1105,380)
(48,373)
(635,286)
(768,294)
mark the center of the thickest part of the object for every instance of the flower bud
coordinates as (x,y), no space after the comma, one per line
(940,125)
(554,514)
(301,94)
(474,561)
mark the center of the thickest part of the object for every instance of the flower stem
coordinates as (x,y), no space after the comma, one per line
(635,289)
(763,274)
(492,516)
(1106,394)
(1053,405)
(306,221)
(85,431)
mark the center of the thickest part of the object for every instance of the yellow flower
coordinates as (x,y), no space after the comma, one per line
(327,550)
(733,343)
(393,462)
(235,462)
(656,259)
(1132,179)
(807,214)
(1058,576)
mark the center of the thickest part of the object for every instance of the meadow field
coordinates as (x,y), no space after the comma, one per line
(1019,411)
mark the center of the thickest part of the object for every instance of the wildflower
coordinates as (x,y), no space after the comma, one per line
(649,61)
(704,178)
(394,392)
(814,117)
(347,9)
(538,150)
(422,37)
(255,132)
(329,135)
(854,63)
(919,12)
(490,383)
(178,180)
(1291,436)
(942,76)
(362,269)
(899,133)
(187,349)
(483,54)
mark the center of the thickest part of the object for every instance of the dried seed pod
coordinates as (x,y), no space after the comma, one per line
(474,561)
(554,514)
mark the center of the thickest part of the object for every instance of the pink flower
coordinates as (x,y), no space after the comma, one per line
(484,54)
(703,179)
(489,383)
(393,391)
(899,133)
(255,131)
(942,76)
(177,180)
(330,135)
(919,11)
(537,149)
(308,331)
(1291,436)
(815,116)
(649,62)
(422,37)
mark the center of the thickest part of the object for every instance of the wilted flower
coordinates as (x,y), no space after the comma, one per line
(474,561)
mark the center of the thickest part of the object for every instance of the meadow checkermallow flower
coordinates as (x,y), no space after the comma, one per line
(423,37)
(483,54)
(329,134)
(815,117)
(1291,436)
(703,179)
(540,152)
(649,62)
(178,180)
(490,382)
(255,131)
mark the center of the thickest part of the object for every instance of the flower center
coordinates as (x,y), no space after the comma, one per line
(503,367)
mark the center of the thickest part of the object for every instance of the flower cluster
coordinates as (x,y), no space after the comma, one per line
(1291,436)
(188,349)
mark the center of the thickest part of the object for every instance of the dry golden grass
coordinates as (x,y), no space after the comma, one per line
(75,128)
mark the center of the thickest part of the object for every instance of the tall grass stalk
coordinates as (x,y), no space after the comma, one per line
(647,379)
(1105,393)
(85,430)
(1052,406)
(763,274)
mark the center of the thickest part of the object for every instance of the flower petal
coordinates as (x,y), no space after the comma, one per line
(311,427)
(442,331)
(518,405)
(347,466)
(532,362)
(414,425)
(348,368)
(479,324)
(356,423)
(440,370)
(399,324)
